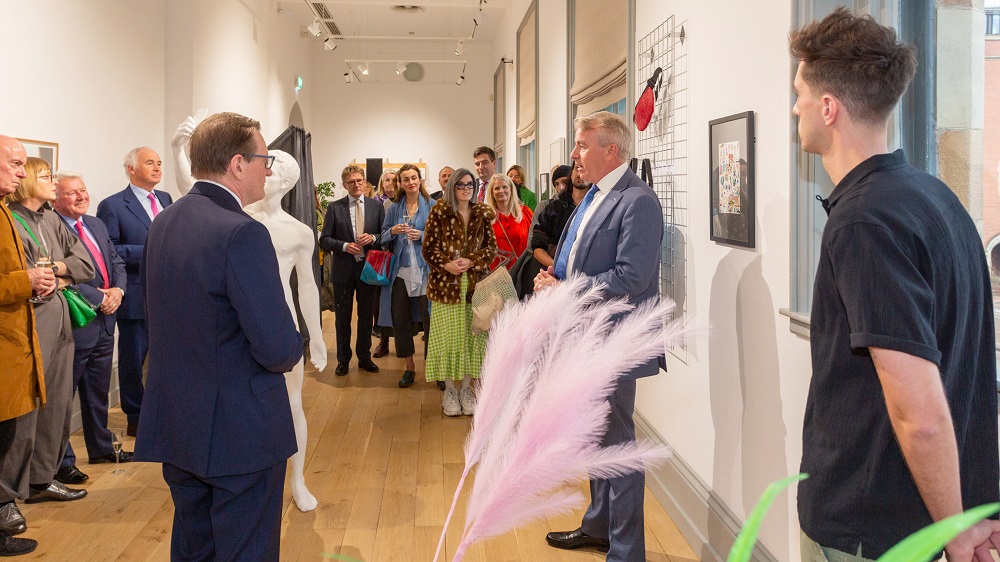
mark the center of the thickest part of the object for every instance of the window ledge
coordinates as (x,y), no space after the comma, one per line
(798,323)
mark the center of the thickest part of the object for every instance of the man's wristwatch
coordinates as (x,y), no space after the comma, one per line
(55,268)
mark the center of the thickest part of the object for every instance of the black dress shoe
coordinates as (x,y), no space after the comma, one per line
(341,369)
(570,540)
(407,379)
(123,457)
(9,546)
(132,430)
(368,366)
(55,492)
(11,520)
(71,475)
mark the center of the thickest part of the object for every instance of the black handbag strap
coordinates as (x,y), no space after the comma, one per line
(646,174)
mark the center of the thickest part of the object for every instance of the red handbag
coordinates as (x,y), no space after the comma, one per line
(647,101)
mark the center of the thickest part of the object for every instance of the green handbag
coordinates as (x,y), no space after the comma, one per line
(81,312)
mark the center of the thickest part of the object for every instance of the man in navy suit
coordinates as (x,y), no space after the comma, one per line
(613,237)
(216,412)
(351,226)
(94,343)
(128,214)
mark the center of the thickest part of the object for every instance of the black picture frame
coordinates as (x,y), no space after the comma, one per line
(732,188)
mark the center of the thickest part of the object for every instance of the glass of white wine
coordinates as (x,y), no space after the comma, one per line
(43,259)
(117,436)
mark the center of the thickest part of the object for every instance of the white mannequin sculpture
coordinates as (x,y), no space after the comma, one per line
(294,244)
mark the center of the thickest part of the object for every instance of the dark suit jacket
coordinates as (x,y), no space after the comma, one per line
(128,226)
(220,339)
(338,229)
(620,247)
(86,337)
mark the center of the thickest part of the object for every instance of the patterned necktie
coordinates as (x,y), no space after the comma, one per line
(359,219)
(562,260)
(95,253)
(152,204)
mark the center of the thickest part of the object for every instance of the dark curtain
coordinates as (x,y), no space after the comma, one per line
(300,202)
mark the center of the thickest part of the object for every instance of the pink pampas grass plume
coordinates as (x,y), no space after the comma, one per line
(545,383)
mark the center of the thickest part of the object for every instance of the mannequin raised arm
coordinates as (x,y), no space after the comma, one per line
(182,165)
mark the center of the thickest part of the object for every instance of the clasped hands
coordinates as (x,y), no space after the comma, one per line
(546,278)
(458,266)
(43,281)
(411,233)
(358,246)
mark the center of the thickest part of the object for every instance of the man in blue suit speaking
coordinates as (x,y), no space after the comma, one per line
(613,237)
(215,411)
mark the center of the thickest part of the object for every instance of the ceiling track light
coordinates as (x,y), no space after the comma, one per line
(460,48)
(347,77)
(329,44)
(460,80)
(400,67)
(314,28)
(363,68)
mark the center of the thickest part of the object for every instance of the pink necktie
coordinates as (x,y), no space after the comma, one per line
(152,204)
(95,253)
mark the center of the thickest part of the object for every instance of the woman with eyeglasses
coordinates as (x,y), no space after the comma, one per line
(458,247)
(48,242)
(404,300)
(513,225)
(386,194)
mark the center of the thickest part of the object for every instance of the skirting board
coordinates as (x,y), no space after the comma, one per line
(706,522)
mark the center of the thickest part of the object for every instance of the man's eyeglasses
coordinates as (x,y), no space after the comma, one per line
(465,185)
(355,182)
(268,159)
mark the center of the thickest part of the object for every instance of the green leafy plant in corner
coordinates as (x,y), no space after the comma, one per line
(324,194)
(918,547)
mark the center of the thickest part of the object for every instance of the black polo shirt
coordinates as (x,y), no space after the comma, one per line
(902,268)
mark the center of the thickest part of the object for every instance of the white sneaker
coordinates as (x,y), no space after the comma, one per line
(450,404)
(468,400)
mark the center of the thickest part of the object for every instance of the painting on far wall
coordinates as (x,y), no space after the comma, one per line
(48,151)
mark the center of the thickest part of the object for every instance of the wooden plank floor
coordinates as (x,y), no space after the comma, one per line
(382,461)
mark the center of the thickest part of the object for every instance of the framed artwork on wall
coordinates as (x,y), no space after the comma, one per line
(48,151)
(732,189)
(544,190)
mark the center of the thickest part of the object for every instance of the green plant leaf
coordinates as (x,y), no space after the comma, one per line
(930,540)
(743,546)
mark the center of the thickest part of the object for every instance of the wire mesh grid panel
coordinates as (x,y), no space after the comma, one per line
(665,143)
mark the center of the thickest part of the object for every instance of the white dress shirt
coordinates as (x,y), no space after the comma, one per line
(604,186)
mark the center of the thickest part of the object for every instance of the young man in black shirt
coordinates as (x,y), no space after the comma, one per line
(901,420)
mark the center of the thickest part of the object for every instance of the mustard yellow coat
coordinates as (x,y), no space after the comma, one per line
(22,385)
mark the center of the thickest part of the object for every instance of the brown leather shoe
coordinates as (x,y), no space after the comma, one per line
(383,348)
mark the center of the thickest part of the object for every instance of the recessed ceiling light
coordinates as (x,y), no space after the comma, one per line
(408,8)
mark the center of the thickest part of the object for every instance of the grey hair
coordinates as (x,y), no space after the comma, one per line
(611,129)
(449,188)
(132,158)
(64,175)
(515,197)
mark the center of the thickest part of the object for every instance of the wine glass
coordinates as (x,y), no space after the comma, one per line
(116,446)
(43,259)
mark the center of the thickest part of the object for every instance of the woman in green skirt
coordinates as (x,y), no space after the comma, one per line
(459,245)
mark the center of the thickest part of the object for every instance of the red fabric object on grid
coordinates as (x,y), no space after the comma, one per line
(647,101)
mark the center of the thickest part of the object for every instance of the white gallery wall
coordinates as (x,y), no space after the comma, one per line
(437,123)
(734,412)
(87,75)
